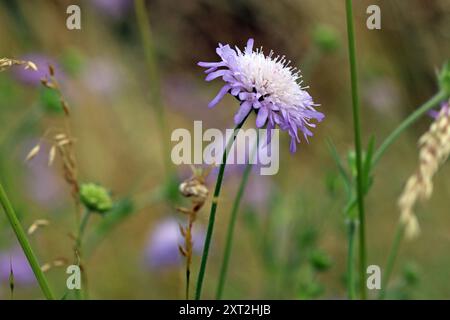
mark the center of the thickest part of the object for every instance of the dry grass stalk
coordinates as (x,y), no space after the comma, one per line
(434,148)
(37,224)
(62,142)
(6,63)
(57,263)
(196,191)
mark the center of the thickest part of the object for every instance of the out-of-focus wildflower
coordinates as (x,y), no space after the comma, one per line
(266,84)
(325,38)
(434,151)
(95,197)
(115,9)
(15,259)
(42,63)
(41,181)
(183,96)
(163,243)
(258,192)
(382,95)
(100,76)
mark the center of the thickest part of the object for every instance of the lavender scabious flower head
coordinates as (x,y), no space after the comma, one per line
(269,86)
(163,242)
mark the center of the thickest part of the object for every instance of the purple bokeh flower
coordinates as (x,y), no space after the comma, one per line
(435,113)
(42,182)
(267,85)
(33,78)
(101,77)
(162,245)
(23,274)
(258,192)
(383,95)
(181,94)
(115,9)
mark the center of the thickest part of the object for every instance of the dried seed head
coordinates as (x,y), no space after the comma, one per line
(37,224)
(6,63)
(434,151)
(59,262)
(33,152)
(194,189)
(51,155)
(45,267)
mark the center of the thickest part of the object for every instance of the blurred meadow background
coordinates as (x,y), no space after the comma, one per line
(290,240)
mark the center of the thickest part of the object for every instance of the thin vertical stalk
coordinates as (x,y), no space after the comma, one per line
(26,247)
(231,226)
(351,260)
(82,228)
(391,258)
(143,21)
(212,214)
(358,149)
(82,293)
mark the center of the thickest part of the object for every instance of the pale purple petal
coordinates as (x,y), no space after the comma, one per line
(261,119)
(249,47)
(219,96)
(243,111)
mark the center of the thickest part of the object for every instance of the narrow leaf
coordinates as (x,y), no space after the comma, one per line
(339,164)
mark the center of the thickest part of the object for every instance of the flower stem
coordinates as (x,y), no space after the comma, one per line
(351,258)
(21,237)
(82,228)
(212,214)
(432,102)
(358,149)
(391,258)
(230,231)
(79,244)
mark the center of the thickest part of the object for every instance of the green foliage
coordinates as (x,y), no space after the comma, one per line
(311,290)
(50,101)
(411,274)
(72,61)
(444,78)
(320,260)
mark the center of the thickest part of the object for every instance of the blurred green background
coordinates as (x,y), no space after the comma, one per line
(290,241)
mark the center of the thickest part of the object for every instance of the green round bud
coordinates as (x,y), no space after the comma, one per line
(95,197)
(411,273)
(325,38)
(320,260)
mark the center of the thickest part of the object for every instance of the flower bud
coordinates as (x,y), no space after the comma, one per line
(95,197)
(325,38)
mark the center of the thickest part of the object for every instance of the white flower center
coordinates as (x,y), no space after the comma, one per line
(271,77)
